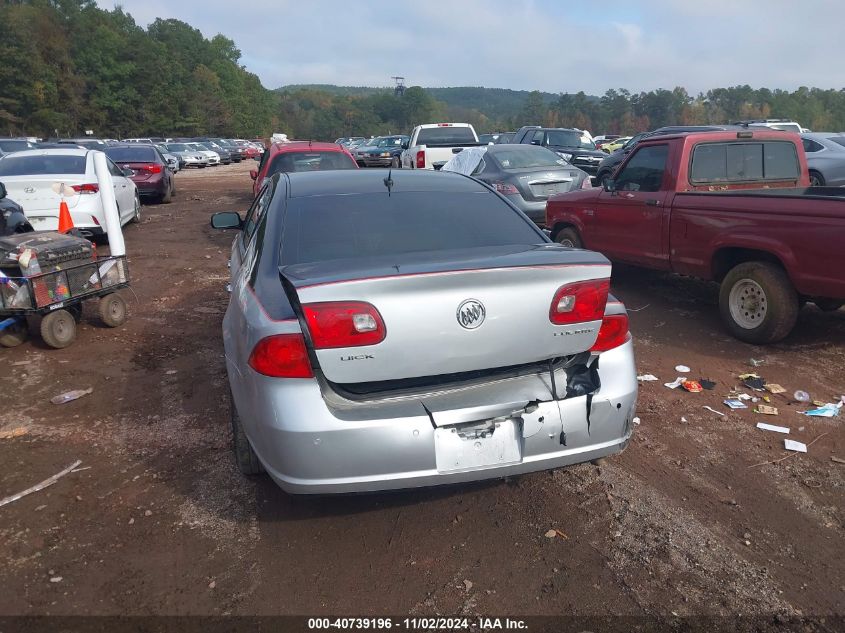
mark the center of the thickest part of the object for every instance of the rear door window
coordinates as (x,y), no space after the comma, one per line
(744,162)
(309,161)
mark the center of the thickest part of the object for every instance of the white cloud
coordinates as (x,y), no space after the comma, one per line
(528,44)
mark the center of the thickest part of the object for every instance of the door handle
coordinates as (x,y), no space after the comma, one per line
(652,203)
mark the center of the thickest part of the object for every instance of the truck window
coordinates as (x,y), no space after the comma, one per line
(445,136)
(742,162)
(644,171)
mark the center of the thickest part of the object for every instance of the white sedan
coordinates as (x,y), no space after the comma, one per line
(33,179)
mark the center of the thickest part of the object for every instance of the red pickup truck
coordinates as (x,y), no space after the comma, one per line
(733,207)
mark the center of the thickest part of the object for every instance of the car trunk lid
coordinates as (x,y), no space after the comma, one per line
(451,311)
(36,194)
(539,185)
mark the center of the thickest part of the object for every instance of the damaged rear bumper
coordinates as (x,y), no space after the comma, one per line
(314,442)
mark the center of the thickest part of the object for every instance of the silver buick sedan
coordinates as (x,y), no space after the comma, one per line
(414,330)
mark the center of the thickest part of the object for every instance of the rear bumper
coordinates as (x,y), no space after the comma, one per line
(156,187)
(308,448)
(378,161)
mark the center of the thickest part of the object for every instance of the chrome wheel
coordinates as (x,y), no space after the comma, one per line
(748,304)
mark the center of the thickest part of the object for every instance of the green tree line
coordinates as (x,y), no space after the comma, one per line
(67,66)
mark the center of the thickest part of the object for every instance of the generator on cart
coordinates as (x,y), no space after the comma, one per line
(51,274)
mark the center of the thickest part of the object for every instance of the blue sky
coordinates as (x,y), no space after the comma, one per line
(549,45)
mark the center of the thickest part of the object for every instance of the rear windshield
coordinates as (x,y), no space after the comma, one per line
(139,154)
(531,156)
(310,161)
(445,136)
(371,225)
(38,165)
(742,162)
(178,147)
(566,138)
(15,145)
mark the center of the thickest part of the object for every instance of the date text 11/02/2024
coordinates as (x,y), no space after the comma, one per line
(419,624)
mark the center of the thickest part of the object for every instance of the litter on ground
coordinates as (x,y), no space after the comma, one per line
(40,486)
(711,409)
(682,369)
(766,409)
(71,396)
(675,383)
(772,427)
(735,404)
(647,378)
(792,445)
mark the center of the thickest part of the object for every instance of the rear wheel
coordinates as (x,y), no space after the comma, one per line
(58,329)
(568,237)
(15,334)
(758,303)
(395,164)
(816,179)
(167,196)
(245,457)
(136,217)
(112,310)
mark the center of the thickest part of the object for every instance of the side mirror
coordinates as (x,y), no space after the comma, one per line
(226,220)
(2,191)
(128,172)
(253,173)
(536,142)
(609,185)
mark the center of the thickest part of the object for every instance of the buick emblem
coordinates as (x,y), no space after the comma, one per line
(471,314)
(29,189)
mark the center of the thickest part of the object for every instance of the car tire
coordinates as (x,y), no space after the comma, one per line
(167,196)
(112,310)
(569,237)
(829,305)
(601,178)
(136,218)
(758,303)
(15,334)
(245,458)
(816,179)
(395,163)
(58,329)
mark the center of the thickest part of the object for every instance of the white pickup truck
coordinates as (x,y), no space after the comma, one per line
(432,145)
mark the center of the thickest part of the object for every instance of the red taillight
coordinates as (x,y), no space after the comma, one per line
(505,188)
(421,159)
(87,188)
(343,324)
(153,168)
(613,333)
(281,356)
(579,302)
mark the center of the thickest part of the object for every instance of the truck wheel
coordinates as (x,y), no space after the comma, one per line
(568,237)
(245,457)
(112,310)
(816,179)
(58,329)
(14,335)
(829,305)
(758,303)
(601,178)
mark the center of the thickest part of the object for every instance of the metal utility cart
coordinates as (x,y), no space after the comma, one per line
(58,296)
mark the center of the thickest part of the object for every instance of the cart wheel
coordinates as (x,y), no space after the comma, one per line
(113,310)
(15,334)
(58,329)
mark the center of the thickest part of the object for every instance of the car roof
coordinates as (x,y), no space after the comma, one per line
(358,181)
(762,133)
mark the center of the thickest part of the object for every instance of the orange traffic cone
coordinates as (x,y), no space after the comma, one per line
(65,221)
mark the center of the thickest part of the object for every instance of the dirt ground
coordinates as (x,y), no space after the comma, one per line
(688,520)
